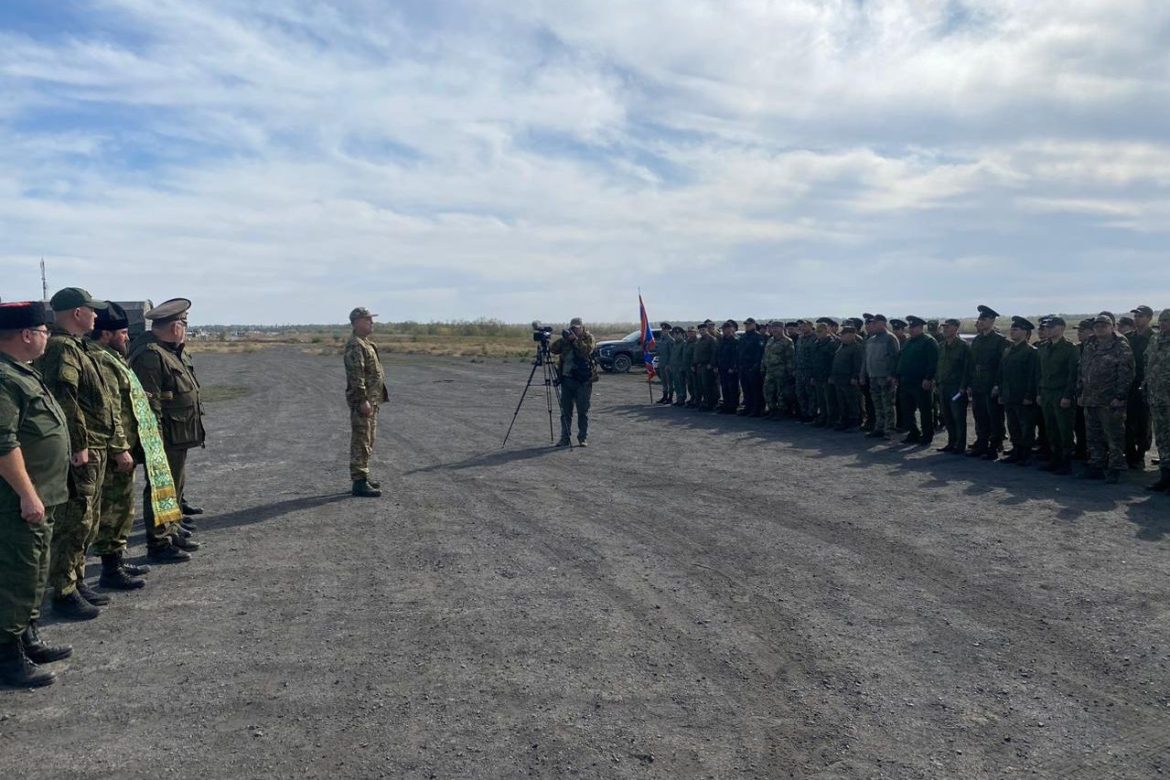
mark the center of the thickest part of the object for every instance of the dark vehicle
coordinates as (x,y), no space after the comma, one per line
(618,356)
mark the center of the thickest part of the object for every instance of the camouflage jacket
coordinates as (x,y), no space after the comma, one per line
(986,353)
(576,358)
(168,377)
(365,380)
(664,351)
(1059,364)
(92,409)
(107,360)
(822,357)
(1157,382)
(806,347)
(1106,372)
(847,362)
(780,357)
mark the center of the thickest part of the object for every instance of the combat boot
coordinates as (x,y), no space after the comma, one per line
(37,651)
(188,509)
(115,577)
(167,553)
(1163,484)
(373,484)
(17,671)
(188,525)
(91,595)
(187,545)
(133,569)
(74,607)
(363,488)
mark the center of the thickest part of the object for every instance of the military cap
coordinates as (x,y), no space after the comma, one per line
(1104,317)
(1085,324)
(576,322)
(1143,309)
(18,315)
(72,298)
(791,324)
(1056,320)
(677,329)
(932,324)
(694,327)
(913,320)
(1124,320)
(113,317)
(848,329)
(866,316)
(1022,323)
(952,322)
(752,320)
(826,321)
(665,326)
(731,324)
(878,318)
(169,311)
(897,324)
(987,311)
(1165,315)
(856,322)
(708,321)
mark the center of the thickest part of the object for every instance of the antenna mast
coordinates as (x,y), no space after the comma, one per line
(44,282)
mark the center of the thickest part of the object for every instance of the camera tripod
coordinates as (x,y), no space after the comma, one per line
(551,384)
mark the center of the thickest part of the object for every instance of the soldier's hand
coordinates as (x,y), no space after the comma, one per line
(32,510)
(125,463)
(1065,403)
(365,410)
(80,458)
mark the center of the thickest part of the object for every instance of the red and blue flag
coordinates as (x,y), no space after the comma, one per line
(647,341)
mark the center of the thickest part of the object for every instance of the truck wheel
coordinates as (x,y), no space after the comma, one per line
(621,363)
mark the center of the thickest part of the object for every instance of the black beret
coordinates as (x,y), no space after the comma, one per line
(987,311)
(914,320)
(22,314)
(112,318)
(953,322)
(1021,322)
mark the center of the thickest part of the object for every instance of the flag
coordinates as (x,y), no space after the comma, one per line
(647,341)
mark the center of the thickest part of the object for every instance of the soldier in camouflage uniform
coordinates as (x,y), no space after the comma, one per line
(1106,373)
(805,392)
(1138,434)
(578,372)
(1157,392)
(680,361)
(93,411)
(34,468)
(365,392)
(116,512)
(162,363)
(877,372)
(1059,367)
(779,359)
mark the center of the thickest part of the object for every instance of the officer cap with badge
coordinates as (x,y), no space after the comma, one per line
(166,312)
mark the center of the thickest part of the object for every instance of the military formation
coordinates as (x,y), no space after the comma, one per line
(81,407)
(1035,397)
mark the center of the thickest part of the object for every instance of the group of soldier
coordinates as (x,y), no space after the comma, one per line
(1102,400)
(80,408)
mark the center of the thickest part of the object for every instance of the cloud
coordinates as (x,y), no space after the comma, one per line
(528,159)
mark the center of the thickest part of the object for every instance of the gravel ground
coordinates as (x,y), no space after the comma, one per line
(692,596)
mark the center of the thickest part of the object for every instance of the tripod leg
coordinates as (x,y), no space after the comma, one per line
(515,414)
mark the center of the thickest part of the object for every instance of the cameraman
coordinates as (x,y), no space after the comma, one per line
(578,373)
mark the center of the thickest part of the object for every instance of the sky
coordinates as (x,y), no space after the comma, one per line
(284,161)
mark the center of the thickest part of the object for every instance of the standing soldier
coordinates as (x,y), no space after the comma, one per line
(917,369)
(822,368)
(93,412)
(34,475)
(116,511)
(751,355)
(727,358)
(703,359)
(365,392)
(680,365)
(867,329)
(881,363)
(954,377)
(693,390)
(1019,376)
(1084,335)
(1137,414)
(986,353)
(898,328)
(1059,364)
(805,393)
(578,372)
(779,357)
(1106,373)
(845,379)
(1157,390)
(163,366)
(664,349)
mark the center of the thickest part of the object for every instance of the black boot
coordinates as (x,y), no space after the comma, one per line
(373,484)
(188,525)
(74,607)
(187,509)
(1163,484)
(91,595)
(167,553)
(115,577)
(17,671)
(185,544)
(132,569)
(37,651)
(363,488)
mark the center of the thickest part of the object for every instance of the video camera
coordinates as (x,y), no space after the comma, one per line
(541,333)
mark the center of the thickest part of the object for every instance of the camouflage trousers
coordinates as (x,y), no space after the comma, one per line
(362,431)
(116,515)
(777,386)
(1105,430)
(24,571)
(76,524)
(884,402)
(848,403)
(806,396)
(1160,414)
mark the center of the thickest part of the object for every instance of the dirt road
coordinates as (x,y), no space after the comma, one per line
(692,596)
